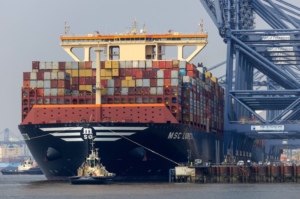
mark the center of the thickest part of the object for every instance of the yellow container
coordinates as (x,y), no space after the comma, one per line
(107,64)
(85,73)
(103,72)
(108,72)
(128,78)
(69,71)
(214,79)
(115,64)
(82,87)
(104,91)
(75,73)
(208,75)
(115,72)
(89,88)
(54,70)
(124,83)
(131,83)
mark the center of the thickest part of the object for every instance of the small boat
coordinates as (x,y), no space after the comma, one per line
(25,168)
(92,171)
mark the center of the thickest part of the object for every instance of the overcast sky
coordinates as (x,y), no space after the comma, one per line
(30,31)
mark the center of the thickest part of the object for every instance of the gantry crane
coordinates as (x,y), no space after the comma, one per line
(270,54)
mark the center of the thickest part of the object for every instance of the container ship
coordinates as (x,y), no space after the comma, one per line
(146,113)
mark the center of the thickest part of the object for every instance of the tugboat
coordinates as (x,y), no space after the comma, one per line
(25,168)
(92,171)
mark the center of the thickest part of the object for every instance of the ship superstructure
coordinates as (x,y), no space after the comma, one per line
(143,111)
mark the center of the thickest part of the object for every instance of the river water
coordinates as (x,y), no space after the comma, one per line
(36,186)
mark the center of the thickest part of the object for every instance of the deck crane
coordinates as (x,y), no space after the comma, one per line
(274,52)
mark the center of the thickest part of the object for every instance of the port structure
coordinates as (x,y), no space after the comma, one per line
(262,73)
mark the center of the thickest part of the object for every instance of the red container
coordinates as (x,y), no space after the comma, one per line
(35,64)
(81,80)
(94,72)
(190,67)
(102,64)
(162,64)
(26,83)
(138,74)
(167,74)
(117,83)
(131,91)
(153,74)
(54,83)
(146,74)
(146,91)
(26,76)
(88,64)
(75,80)
(167,82)
(88,80)
(153,82)
(169,64)
(61,65)
(117,91)
(191,74)
(128,72)
(138,91)
(155,64)
(93,80)
(63,84)
(104,83)
(40,92)
(74,87)
(122,72)
(40,75)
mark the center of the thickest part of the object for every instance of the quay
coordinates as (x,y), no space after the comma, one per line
(235,174)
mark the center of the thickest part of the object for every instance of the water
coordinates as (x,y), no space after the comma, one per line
(33,187)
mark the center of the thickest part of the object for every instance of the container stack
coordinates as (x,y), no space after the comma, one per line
(191,93)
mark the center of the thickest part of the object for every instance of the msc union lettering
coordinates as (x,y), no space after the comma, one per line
(180,136)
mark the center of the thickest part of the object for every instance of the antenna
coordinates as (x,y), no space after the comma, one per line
(134,24)
(201,26)
(67,27)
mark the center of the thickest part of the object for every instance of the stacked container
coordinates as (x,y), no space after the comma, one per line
(191,94)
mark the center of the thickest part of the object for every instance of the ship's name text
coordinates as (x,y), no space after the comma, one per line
(180,135)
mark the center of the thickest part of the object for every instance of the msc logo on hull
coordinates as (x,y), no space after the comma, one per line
(88,134)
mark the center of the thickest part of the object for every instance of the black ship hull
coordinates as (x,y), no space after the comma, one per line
(134,151)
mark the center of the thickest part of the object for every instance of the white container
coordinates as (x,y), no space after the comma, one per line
(160,74)
(122,64)
(146,82)
(182,64)
(33,83)
(47,91)
(148,64)
(53,91)
(142,64)
(47,83)
(110,83)
(40,84)
(47,75)
(74,65)
(152,90)
(174,74)
(159,82)
(55,65)
(33,76)
(124,91)
(68,65)
(135,64)
(139,82)
(42,65)
(53,75)
(160,90)
(49,65)
(110,91)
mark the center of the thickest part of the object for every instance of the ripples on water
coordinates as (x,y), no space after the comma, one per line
(37,186)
